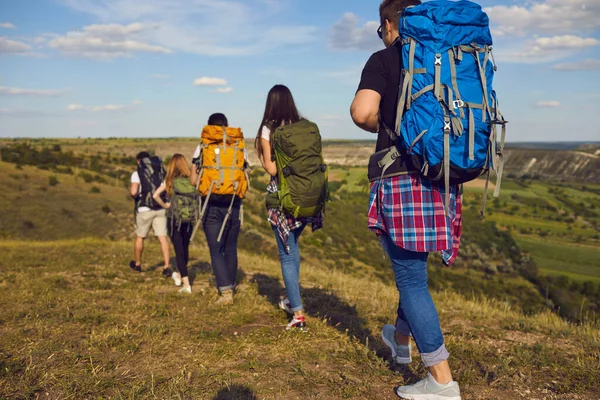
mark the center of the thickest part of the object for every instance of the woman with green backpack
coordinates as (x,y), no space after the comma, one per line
(181,215)
(289,148)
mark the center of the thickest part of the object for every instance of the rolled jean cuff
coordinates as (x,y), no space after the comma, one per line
(435,357)
(296,309)
(402,327)
(226,288)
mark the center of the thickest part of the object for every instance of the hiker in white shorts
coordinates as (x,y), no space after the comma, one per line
(146,217)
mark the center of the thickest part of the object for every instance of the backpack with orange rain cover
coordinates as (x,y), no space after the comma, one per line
(222,166)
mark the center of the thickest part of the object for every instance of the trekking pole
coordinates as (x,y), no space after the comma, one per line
(199,221)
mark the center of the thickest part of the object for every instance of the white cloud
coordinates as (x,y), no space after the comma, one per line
(74,107)
(224,90)
(7,25)
(582,65)
(208,81)
(107,42)
(200,26)
(107,107)
(159,76)
(30,92)
(546,17)
(347,34)
(545,49)
(21,113)
(8,46)
(547,104)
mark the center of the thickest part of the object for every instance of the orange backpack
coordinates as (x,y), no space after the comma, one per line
(222,166)
(222,162)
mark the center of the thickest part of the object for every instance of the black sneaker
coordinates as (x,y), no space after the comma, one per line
(167,272)
(135,267)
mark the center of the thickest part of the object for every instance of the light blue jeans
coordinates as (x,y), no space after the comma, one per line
(416,312)
(290,267)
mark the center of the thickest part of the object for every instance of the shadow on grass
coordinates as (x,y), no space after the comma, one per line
(204,267)
(161,264)
(235,392)
(324,304)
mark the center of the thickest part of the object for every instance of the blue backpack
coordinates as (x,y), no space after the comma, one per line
(447,110)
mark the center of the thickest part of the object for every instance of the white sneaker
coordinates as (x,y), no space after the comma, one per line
(429,389)
(400,354)
(284,304)
(185,290)
(177,278)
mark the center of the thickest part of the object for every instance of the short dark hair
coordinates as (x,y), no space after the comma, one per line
(218,119)
(141,155)
(390,9)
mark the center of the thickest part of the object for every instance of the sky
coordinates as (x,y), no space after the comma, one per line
(159,68)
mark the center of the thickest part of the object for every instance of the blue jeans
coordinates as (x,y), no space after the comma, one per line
(290,267)
(223,254)
(416,312)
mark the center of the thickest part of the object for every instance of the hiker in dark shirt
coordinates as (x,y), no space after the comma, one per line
(223,252)
(407,212)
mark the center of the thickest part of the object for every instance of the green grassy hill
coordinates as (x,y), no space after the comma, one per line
(94,328)
(77,323)
(46,205)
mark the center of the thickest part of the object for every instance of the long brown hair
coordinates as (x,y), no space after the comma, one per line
(279,109)
(177,167)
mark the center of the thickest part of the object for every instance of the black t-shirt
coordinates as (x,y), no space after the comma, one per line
(382,74)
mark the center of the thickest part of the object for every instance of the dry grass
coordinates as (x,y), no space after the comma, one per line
(77,323)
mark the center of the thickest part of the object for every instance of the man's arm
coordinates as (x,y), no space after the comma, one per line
(194,174)
(133,190)
(365,110)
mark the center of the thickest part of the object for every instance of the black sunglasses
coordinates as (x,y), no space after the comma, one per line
(380,31)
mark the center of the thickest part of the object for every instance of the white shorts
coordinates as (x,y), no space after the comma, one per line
(157,219)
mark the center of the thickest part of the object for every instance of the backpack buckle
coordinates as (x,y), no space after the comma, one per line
(438,61)
(458,103)
(447,126)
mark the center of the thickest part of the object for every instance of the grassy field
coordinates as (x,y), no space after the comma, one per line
(76,322)
(557,224)
(46,205)
(556,257)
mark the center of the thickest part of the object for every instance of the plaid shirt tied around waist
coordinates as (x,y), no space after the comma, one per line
(411,211)
(284,223)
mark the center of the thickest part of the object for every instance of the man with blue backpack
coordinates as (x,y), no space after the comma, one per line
(429,98)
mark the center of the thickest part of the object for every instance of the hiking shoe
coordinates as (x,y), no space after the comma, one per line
(284,304)
(133,266)
(167,272)
(298,323)
(185,290)
(400,354)
(429,389)
(225,299)
(177,278)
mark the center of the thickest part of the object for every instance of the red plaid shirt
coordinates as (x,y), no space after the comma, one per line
(411,211)
(285,223)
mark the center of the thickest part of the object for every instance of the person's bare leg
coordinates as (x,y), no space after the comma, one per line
(441,372)
(298,314)
(402,339)
(138,249)
(165,248)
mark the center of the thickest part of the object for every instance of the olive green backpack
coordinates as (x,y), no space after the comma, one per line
(301,170)
(185,202)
